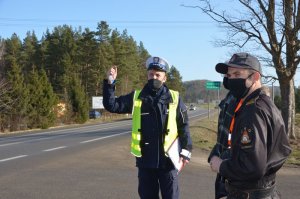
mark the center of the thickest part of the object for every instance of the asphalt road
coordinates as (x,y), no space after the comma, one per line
(94,161)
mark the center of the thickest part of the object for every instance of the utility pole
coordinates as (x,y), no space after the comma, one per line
(208,104)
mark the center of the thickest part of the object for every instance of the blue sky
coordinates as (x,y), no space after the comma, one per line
(184,36)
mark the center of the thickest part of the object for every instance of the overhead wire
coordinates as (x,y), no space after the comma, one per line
(128,23)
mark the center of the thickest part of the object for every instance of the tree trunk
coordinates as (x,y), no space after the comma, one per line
(288,106)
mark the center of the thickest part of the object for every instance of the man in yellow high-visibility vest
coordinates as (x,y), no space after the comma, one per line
(159,118)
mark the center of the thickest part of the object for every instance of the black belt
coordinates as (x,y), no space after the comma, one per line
(248,194)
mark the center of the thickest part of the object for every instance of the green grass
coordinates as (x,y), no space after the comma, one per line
(203,132)
(297,120)
(294,158)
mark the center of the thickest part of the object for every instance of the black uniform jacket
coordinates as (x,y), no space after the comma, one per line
(260,145)
(154,112)
(227,107)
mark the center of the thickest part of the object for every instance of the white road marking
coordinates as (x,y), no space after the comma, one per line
(12,158)
(8,144)
(63,135)
(62,147)
(197,115)
(101,138)
(53,149)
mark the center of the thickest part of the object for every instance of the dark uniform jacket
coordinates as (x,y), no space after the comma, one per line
(260,145)
(154,114)
(227,107)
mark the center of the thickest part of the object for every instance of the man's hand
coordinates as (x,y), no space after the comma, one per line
(183,162)
(215,163)
(112,74)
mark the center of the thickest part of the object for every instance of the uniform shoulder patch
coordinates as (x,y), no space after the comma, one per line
(247,138)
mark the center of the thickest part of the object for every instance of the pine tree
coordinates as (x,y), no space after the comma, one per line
(60,56)
(174,80)
(6,104)
(87,59)
(29,53)
(2,47)
(15,79)
(127,60)
(119,60)
(105,55)
(78,100)
(142,71)
(42,101)
(103,32)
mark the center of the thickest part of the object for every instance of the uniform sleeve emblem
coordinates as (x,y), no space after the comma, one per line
(246,139)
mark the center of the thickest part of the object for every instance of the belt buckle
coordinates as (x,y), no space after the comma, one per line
(245,195)
(240,194)
(235,192)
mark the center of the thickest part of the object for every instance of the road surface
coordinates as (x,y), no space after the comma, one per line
(90,162)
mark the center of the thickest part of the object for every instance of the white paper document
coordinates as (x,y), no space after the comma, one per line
(174,152)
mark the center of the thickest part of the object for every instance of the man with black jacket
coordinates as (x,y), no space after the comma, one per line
(159,117)
(257,139)
(227,106)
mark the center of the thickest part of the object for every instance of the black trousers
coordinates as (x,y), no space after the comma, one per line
(269,192)
(153,180)
(274,195)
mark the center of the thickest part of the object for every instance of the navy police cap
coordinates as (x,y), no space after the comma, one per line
(157,63)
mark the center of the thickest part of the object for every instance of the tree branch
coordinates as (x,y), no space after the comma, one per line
(236,26)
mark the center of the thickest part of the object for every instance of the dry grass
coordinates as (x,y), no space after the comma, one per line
(295,156)
(204,132)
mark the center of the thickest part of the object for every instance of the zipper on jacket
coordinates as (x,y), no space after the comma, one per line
(154,108)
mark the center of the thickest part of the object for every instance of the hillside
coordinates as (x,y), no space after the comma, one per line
(195,92)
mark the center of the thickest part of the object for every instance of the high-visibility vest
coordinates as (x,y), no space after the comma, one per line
(172,132)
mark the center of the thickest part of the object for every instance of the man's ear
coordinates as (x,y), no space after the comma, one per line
(165,78)
(256,76)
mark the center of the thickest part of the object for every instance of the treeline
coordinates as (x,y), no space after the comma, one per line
(52,80)
(277,100)
(196,91)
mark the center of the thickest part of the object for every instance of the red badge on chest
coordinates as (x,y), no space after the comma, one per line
(246,138)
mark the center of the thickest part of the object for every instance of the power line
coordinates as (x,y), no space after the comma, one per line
(133,24)
(5,20)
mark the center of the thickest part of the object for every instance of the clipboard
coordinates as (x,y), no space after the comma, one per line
(173,153)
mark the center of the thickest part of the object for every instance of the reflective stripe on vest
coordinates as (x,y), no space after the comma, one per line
(136,125)
(172,132)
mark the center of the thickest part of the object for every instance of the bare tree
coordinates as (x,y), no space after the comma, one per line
(5,103)
(1,54)
(271,26)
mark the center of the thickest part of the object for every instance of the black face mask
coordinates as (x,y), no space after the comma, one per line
(154,84)
(238,87)
(225,82)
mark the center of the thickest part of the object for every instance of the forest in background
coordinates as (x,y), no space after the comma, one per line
(50,81)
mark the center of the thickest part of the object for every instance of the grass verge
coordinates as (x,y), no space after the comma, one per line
(295,144)
(203,132)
